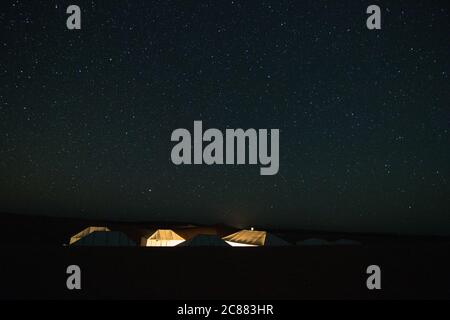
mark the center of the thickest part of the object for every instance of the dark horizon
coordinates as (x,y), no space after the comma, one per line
(87,115)
(106,220)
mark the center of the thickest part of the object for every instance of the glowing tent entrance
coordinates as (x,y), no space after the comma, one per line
(162,238)
(86,232)
(251,238)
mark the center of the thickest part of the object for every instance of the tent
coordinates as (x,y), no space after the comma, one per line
(105,238)
(323,242)
(252,238)
(204,240)
(162,238)
(86,232)
(314,242)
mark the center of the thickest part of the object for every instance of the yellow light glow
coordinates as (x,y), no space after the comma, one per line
(163,243)
(237,244)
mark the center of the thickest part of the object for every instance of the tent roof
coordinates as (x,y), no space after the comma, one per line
(165,234)
(321,242)
(204,240)
(105,238)
(86,232)
(258,238)
(247,237)
(314,242)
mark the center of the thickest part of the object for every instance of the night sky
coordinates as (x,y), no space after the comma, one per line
(364,116)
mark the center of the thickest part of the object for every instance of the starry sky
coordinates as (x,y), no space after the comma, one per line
(364,116)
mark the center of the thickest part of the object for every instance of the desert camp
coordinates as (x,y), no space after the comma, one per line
(194,236)
(177,237)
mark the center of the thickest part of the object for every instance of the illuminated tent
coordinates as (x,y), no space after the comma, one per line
(86,232)
(204,240)
(105,239)
(162,238)
(251,238)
